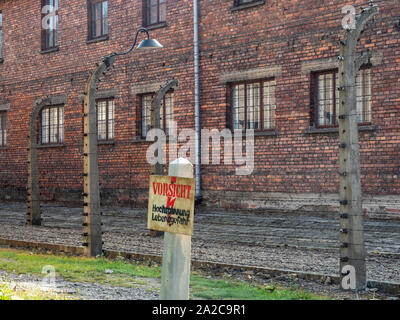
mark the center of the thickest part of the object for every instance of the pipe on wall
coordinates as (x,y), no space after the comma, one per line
(197,100)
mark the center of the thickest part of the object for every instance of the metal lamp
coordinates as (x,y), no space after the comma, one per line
(146,44)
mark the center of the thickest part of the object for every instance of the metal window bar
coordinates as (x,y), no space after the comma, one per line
(241,2)
(363,89)
(110,119)
(238,106)
(327,115)
(254,105)
(166,112)
(325,99)
(269,104)
(146,114)
(105,119)
(52,125)
(3,129)
(168,103)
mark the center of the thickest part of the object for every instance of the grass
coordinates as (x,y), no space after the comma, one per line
(13,291)
(6,292)
(220,289)
(132,274)
(78,269)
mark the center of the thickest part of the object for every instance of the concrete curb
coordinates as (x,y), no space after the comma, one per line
(385,287)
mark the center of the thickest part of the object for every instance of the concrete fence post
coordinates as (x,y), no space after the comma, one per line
(92,233)
(33,189)
(177,249)
(158,168)
(352,245)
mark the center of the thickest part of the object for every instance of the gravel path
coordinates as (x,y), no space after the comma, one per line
(298,242)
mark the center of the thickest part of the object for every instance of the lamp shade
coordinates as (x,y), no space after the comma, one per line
(149,44)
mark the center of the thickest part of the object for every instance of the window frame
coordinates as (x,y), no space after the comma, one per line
(45,31)
(107,137)
(90,5)
(365,67)
(163,114)
(315,97)
(239,3)
(48,133)
(3,127)
(333,72)
(261,93)
(147,13)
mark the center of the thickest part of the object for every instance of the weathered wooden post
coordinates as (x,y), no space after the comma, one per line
(352,252)
(91,194)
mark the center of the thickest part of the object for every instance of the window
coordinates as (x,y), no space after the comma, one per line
(3,128)
(326,97)
(254,105)
(49,24)
(166,112)
(1,37)
(241,2)
(97,19)
(156,11)
(105,119)
(364,97)
(52,125)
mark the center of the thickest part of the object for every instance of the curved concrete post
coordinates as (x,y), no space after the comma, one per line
(352,252)
(33,190)
(155,115)
(91,194)
(157,169)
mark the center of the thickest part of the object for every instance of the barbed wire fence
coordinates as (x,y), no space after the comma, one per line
(296,239)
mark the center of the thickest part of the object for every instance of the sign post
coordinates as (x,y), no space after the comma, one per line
(171,209)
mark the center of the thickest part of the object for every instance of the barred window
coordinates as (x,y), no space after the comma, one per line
(254,105)
(49,24)
(241,2)
(156,11)
(105,119)
(3,128)
(97,18)
(326,96)
(166,112)
(364,97)
(52,125)
(328,102)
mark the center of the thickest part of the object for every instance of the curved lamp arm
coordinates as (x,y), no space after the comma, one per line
(106,60)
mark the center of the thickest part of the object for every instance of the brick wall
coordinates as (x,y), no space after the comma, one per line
(283,39)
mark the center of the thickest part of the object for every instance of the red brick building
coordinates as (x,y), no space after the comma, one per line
(266,65)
